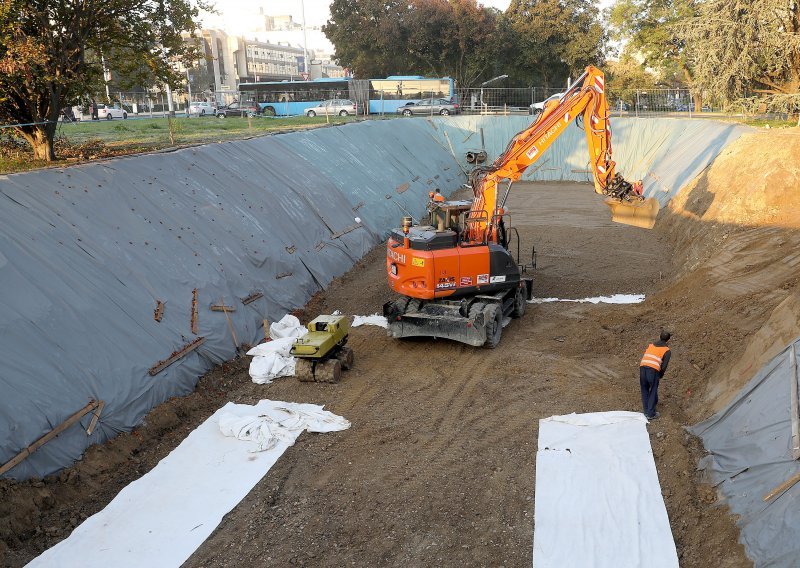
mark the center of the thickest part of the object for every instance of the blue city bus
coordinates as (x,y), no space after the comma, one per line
(381,96)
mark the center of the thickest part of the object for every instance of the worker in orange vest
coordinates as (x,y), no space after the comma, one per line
(651,369)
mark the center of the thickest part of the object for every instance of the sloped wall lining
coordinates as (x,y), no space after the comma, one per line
(750,445)
(664,153)
(87,251)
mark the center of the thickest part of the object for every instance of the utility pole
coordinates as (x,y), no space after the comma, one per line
(305,40)
(106,77)
(170,106)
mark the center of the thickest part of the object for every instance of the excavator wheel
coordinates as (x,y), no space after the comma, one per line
(636,213)
(520,303)
(304,370)
(329,371)
(494,325)
(346,357)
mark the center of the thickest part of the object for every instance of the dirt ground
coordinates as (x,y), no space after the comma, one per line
(438,468)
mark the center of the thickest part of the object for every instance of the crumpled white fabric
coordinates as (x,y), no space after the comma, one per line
(164,516)
(614,299)
(288,326)
(375,319)
(272,360)
(279,422)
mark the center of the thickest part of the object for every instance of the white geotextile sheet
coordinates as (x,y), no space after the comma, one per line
(598,499)
(613,299)
(287,326)
(161,518)
(271,360)
(374,319)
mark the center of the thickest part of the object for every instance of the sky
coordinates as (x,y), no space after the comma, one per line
(237,13)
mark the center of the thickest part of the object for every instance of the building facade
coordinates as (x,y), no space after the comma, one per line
(228,60)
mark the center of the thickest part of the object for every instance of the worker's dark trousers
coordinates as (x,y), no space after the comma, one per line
(648,380)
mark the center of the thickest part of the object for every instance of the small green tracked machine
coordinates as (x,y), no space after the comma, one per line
(321,353)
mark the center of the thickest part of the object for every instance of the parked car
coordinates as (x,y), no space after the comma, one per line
(202,108)
(246,108)
(111,112)
(342,107)
(537,108)
(429,106)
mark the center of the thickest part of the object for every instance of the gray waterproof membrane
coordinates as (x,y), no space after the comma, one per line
(665,153)
(750,445)
(86,252)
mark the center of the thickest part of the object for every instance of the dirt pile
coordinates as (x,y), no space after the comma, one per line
(736,237)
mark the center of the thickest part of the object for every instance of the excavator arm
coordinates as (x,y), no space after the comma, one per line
(585,100)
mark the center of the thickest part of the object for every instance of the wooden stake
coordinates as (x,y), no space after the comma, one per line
(194,311)
(266,330)
(49,436)
(161,365)
(230,324)
(783,487)
(95,417)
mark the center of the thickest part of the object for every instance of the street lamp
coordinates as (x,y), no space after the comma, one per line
(498,78)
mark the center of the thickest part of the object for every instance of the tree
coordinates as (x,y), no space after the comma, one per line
(626,76)
(50,54)
(554,39)
(455,38)
(649,28)
(742,47)
(369,36)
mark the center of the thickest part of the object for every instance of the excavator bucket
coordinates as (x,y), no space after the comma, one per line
(638,213)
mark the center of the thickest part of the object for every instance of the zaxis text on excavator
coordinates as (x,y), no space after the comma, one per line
(456,275)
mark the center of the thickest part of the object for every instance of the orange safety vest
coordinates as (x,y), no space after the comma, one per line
(653,356)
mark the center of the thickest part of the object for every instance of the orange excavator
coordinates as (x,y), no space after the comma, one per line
(456,275)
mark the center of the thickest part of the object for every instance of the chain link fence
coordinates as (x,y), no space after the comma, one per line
(377,103)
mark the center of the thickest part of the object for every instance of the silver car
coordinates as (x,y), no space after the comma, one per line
(538,108)
(342,107)
(429,106)
(111,112)
(202,108)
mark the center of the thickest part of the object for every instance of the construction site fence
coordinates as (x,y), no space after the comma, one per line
(479,101)
(629,102)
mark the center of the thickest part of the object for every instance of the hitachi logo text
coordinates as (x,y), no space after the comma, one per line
(396,256)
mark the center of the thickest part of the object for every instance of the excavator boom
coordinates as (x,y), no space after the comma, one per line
(585,101)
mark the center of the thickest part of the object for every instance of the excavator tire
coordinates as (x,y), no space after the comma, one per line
(329,371)
(346,357)
(520,303)
(494,325)
(304,370)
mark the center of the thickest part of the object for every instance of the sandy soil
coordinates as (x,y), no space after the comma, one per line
(439,466)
